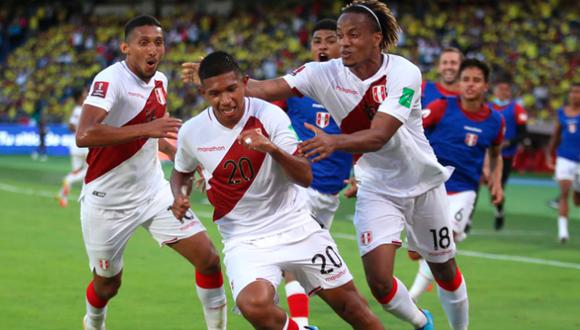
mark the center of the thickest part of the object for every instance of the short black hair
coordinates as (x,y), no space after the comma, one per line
(77,93)
(138,21)
(325,24)
(503,78)
(475,63)
(218,63)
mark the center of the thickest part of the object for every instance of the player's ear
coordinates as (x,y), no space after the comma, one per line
(124,48)
(245,80)
(377,39)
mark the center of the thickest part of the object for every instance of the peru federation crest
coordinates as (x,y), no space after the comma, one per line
(322,119)
(471,139)
(379,93)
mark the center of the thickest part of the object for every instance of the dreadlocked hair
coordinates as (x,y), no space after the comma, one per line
(387,23)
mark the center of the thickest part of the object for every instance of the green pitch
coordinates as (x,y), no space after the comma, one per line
(520,278)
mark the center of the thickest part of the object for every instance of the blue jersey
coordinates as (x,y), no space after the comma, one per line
(329,174)
(461,142)
(432,91)
(514,115)
(569,147)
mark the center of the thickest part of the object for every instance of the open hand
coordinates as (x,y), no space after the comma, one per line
(321,146)
(165,127)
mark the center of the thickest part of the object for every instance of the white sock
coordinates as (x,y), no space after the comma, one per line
(403,307)
(214,307)
(297,303)
(75,176)
(456,305)
(562,227)
(422,280)
(95,317)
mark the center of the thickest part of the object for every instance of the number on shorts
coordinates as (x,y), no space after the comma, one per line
(332,256)
(245,172)
(441,239)
(459,215)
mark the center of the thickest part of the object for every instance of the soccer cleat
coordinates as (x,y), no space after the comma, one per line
(498,222)
(430,325)
(310,327)
(85,327)
(63,202)
(554,203)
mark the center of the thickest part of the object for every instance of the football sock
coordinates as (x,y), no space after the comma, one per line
(75,176)
(398,302)
(96,309)
(297,303)
(562,228)
(290,324)
(422,280)
(453,296)
(210,290)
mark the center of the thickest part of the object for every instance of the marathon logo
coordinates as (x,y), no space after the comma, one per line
(100,89)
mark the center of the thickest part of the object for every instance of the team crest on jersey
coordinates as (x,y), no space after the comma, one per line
(366,237)
(160,95)
(379,93)
(322,119)
(572,128)
(100,89)
(471,139)
(104,264)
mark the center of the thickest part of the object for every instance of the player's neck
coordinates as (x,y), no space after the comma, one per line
(574,108)
(453,87)
(368,68)
(472,106)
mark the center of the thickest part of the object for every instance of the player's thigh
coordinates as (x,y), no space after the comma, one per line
(106,233)
(378,220)
(429,228)
(322,206)
(460,208)
(565,169)
(315,261)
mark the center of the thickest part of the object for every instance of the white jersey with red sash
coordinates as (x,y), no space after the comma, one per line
(124,175)
(251,195)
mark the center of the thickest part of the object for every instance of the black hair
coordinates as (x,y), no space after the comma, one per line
(138,21)
(325,24)
(77,93)
(503,78)
(218,63)
(475,63)
(385,22)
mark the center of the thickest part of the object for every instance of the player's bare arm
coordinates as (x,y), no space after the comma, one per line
(296,167)
(553,144)
(167,148)
(495,173)
(383,127)
(92,133)
(269,90)
(181,189)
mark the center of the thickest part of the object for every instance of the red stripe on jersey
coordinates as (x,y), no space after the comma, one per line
(103,159)
(235,174)
(360,117)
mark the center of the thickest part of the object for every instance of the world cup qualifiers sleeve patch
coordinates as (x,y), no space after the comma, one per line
(407,97)
(100,89)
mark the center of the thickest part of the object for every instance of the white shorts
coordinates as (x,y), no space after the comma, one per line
(107,231)
(565,169)
(308,252)
(322,206)
(379,219)
(460,208)
(576,182)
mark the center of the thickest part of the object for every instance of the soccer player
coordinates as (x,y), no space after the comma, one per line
(248,153)
(515,122)
(448,72)
(565,143)
(463,129)
(329,175)
(124,123)
(375,99)
(78,156)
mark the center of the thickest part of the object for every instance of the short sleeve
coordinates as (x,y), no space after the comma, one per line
(301,79)
(281,132)
(521,115)
(185,161)
(433,113)
(103,91)
(403,94)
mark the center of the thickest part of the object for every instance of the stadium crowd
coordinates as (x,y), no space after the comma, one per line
(52,50)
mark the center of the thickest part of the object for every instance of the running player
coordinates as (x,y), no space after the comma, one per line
(565,143)
(375,99)
(448,72)
(78,156)
(124,123)
(463,129)
(248,153)
(515,119)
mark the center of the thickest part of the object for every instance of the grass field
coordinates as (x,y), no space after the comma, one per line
(520,278)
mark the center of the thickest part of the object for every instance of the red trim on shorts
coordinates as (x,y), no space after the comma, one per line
(454,284)
(298,305)
(313,291)
(387,299)
(292,325)
(93,298)
(211,281)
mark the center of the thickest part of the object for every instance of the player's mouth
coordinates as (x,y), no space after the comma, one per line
(323,57)
(228,111)
(151,64)
(344,54)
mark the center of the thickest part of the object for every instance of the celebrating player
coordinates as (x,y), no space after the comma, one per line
(448,72)
(247,150)
(124,123)
(565,143)
(78,156)
(515,123)
(462,131)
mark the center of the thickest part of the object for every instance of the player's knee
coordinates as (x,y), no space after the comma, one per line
(108,289)
(255,309)
(445,271)
(380,287)
(210,264)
